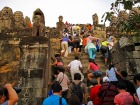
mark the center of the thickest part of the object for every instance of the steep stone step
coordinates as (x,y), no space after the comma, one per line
(83,57)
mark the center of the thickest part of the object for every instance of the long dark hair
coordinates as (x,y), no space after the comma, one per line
(74,100)
(92,61)
(110,66)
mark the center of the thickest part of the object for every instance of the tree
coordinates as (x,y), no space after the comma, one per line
(132,24)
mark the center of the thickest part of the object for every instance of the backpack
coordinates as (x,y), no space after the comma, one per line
(77,90)
(103,49)
(76,39)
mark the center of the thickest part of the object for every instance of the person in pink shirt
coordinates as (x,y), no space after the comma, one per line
(95,70)
(124,98)
(64,81)
(90,38)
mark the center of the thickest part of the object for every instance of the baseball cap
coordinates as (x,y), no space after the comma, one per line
(105,79)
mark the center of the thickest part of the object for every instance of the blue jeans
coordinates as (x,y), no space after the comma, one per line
(92,53)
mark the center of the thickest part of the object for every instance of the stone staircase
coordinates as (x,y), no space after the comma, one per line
(84,57)
(84,60)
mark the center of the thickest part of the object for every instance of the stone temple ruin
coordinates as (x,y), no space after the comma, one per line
(26,50)
(25,54)
(38,23)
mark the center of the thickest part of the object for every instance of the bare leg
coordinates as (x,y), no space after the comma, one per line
(75,50)
(98,80)
(105,61)
(90,76)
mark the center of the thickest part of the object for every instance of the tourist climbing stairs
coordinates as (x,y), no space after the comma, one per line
(83,57)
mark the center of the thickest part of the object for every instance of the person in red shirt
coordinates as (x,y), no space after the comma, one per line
(94,91)
(124,97)
(95,71)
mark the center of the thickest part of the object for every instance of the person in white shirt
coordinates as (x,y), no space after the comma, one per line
(111,41)
(137,82)
(75,66)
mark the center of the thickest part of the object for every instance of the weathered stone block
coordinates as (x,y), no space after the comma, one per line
(37,73)
(136,54)
(138,65)
(23,73)
(137,48)
(12,76)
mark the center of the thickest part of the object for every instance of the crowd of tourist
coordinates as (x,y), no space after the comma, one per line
(105,89)
(113,88)
(108,89)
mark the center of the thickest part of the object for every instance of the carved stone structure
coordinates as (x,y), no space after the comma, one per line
(38,23)
(6,18)
(0,22)
(125,54)
(27,22)
(34,70)
(123,15)
(60,25)
(113,20)
(111,30)
(134,10)
(95,19)
(18,20)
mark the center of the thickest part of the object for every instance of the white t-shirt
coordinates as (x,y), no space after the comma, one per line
(81,41)
(138,93)
(75,64)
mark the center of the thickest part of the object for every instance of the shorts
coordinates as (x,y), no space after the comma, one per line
(106,55)
(97,73)
(76,44)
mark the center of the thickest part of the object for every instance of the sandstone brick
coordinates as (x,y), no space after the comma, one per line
(137,48)
(136,54)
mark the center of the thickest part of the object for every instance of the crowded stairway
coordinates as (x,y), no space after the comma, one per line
(85,73)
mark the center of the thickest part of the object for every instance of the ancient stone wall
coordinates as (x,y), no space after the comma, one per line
(10,21)
(25,61)
(126,54)
(34,73)
(9,61)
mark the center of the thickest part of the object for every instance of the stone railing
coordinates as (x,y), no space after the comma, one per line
(126,54)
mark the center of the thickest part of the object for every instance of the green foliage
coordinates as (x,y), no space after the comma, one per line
(132,24)
(127,5)
(108,15)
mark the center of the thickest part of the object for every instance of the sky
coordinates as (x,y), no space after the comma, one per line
(73,11)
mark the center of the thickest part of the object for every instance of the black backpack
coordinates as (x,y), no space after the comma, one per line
(77,90)
(77,39)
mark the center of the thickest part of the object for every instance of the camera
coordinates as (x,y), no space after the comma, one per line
(17,89)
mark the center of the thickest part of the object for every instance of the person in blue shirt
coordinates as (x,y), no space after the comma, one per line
(55,99)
